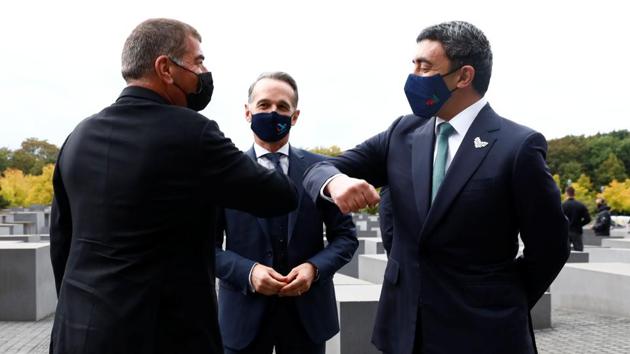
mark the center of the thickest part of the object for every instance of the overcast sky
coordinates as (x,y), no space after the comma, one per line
(560,67)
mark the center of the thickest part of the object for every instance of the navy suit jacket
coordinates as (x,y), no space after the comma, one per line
(456,257)
(241,312)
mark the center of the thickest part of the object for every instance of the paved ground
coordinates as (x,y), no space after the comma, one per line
(574,332)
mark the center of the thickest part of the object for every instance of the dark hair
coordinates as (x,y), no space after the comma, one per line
(276,75)
(464,44)
(149,40)
(570,191)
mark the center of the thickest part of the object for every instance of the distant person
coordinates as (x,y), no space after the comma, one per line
(578,216)
(602,220)
(276,288)
(136,190)
(463,183)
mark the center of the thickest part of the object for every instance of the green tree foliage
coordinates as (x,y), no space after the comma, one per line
(33,156)
(610,169)
(572,156)
(328,151)
(5,159)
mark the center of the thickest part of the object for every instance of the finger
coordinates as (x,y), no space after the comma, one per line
(278,277)
(293,287)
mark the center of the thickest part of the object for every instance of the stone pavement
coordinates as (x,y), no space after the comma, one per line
(574,332)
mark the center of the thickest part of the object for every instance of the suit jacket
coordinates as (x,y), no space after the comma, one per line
(456,257)
(136,190)
(241,312)
(577,215)
(385,218)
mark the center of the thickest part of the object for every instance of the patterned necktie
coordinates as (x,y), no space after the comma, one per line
(439,167)
(274,157)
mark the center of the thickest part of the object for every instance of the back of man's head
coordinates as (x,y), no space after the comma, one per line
(149,40)
(570,191)
(464,44)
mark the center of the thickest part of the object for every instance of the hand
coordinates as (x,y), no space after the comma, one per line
(351,194)
(300,279)
(267,281)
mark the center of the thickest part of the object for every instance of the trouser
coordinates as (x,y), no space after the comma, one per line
(282,329)
(576,240)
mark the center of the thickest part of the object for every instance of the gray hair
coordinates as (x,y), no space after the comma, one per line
(149,40)
(276,75)
(464,44)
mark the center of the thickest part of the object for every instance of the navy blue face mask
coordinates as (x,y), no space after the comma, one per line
(271,126)
(427,94)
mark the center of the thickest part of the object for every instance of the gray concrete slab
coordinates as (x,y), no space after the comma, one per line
(27,287)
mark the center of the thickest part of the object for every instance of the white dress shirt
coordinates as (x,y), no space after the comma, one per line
(461,123)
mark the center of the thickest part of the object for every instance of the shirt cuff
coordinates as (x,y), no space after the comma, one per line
(251,285)
(321,191)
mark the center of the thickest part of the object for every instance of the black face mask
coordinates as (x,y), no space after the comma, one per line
(205,86)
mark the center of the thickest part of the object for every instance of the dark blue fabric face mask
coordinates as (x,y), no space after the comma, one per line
(427,94)
(271,126)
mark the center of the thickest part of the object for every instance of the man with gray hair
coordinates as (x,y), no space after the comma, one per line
(136,187)
(276,289)
(463,182)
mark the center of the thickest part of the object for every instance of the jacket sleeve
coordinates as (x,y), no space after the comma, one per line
(237,182)
(342,242)
(543,226)
(230,266)
(60,227)
(367,161)
(586,217)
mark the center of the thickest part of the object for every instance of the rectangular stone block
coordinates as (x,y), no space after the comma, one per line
(27,286)
(357,302)
(541,312)
(596,287)
(35,219)
(352,268)
(578,257)
(23,238)
(372,267)
(616,243)
(608,255)
(374,246)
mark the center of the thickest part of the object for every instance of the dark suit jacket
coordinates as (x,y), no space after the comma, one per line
(577,214)
(386,219)
(456,257)
(241,312)
(136,190)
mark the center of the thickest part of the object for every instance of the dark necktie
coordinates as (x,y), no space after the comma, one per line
(274,157)
(439,167)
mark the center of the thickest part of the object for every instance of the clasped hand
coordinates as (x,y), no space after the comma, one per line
(267,281)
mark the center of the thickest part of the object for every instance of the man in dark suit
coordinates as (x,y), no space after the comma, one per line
(136,191)
(276,288)
(460,193)
(578,216)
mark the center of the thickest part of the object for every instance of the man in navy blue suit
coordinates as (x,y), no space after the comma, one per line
(464,182)
(276,288)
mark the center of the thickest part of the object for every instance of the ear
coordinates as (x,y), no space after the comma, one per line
(466,77)
(295,116)
(248,113)
(162,67)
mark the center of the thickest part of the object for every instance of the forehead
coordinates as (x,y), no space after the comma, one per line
(431,51)
(193,47)
(272,89)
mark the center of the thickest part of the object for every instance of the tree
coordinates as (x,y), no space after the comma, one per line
(610,169)
(5,159)
(328,151)
(34,155)
(40,187)
(584,192)
(570,170)
(14,187)
(617,195)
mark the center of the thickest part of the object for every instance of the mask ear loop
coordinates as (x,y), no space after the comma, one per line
(450,72)
(199,86)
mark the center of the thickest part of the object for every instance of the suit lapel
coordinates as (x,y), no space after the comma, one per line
(261,221)
(464,164)
(422,166)
(297,166)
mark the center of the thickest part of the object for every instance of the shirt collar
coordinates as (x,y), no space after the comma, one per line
(464,119)
(260,151)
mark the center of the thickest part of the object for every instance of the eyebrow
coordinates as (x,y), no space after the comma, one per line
(422,60)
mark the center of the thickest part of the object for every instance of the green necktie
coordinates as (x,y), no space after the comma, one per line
(439,167)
